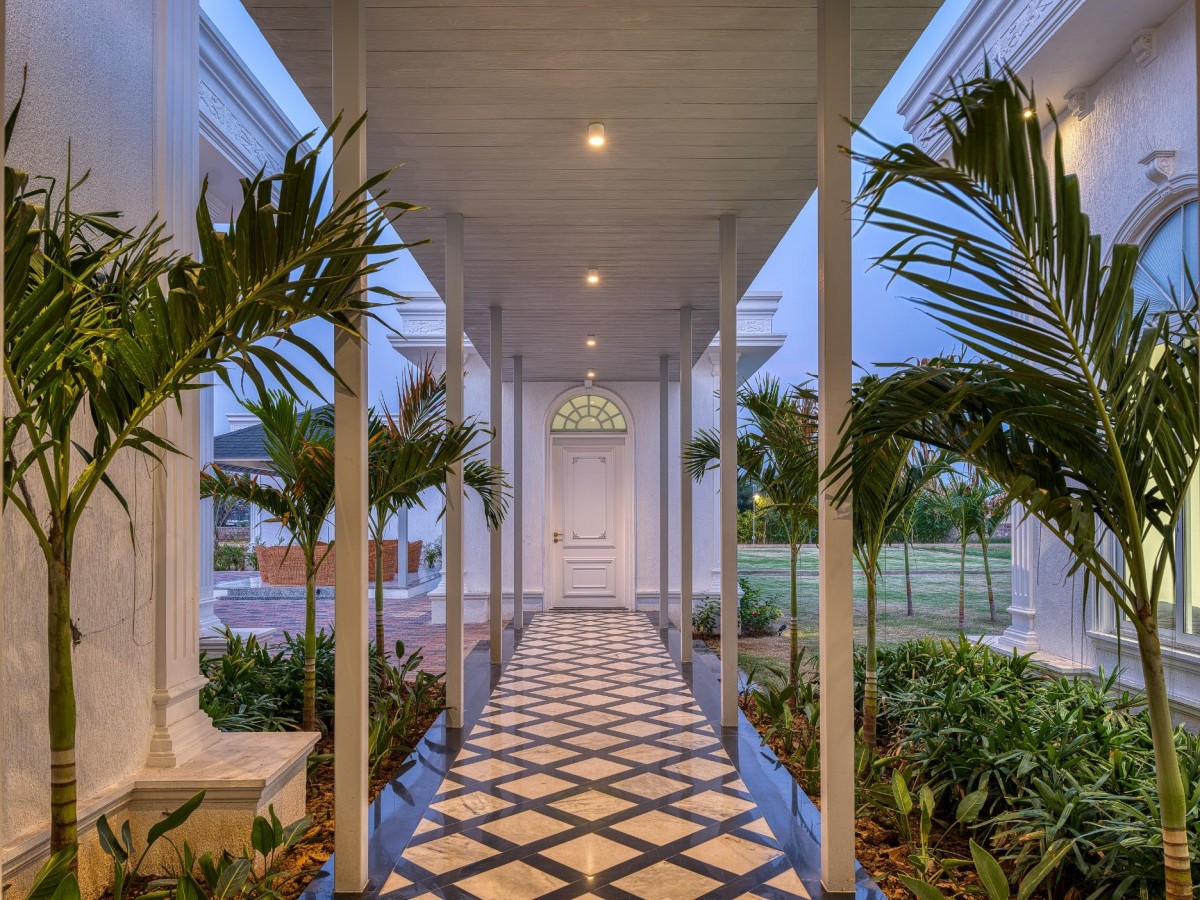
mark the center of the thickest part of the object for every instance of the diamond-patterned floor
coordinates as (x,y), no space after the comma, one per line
(592,772)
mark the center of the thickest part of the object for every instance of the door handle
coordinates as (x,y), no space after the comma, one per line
(557,536)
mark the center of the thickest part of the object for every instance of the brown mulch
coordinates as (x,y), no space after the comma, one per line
(306,859)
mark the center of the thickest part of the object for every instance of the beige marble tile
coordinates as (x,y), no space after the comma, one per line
(595,740)
(690,739)
(497,740)
(554,709)
(641,729)
(507,719)
(590,854)
(525,827)
(592,699)
(557,693)
(700,768)
(532,787)
(542,754)
(426,825)
(556,678)
(485,769)
(680,717)
(514,881)
(625,677)
(593,684)
(394,882)
(451,852)
(645,753)
(733,854)
(470,806)
(550,729)
(658,827)
(631,691)
(650,785)
(595,718)
(592,805)
(714,805)
(760,826)
(666,881)
(789,881)
(593,769)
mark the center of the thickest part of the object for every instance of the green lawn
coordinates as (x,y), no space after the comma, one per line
(935,595)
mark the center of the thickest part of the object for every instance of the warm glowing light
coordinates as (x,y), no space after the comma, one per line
(756,498)
(591,373)
(596,134)
(1029,114)
(593,276)
(591,340)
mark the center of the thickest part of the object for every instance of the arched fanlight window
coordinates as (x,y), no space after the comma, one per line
(1167,257)
(588,412)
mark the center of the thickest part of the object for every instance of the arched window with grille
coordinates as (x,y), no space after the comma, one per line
(1166,258)
(588,412)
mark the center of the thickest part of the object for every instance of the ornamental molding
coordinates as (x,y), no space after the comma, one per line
(432,327)
(1079,101)
(238,117)
(1158,166)
(1144,47)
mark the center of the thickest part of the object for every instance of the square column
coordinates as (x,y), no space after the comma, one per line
(664,492)
(350,767)
(834,297)
(727,514)
(518,481)
(496,535)
(180,729)
(452,553)
(685,486)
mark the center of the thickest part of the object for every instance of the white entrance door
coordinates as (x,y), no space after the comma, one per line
(588,524)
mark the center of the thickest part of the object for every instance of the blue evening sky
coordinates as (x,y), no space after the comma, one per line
(887,328)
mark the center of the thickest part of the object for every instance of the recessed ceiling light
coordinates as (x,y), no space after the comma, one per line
(591,373)
(593,276)
(596,134)
(591,340)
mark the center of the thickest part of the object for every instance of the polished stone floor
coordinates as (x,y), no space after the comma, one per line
(592,771)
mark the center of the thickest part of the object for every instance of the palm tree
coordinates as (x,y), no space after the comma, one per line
(410,451)
(101,324)
(922,459)
(992,511)
(883,494)
(298,494)
(1077,401)
(776,450)
(963,507)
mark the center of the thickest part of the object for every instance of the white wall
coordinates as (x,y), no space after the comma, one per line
(91,83)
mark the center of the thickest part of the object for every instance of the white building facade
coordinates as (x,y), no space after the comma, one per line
(1121,77)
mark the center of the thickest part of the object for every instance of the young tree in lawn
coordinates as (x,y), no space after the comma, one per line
(777,450)
(410,451)
(993,511)
(298,494)
(963,507)
(921,460)
(1077,400)
(102,325)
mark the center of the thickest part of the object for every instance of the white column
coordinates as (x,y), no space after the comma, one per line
(210,623)
(402,546)
(518,481)
(1021,635)
(452,553)
(834,353)
(180,729)
(664,492)
(497,449)
(728,508)
(685,486)
(350,768)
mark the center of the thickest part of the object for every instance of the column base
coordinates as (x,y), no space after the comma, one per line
(181,729)
(1020,637)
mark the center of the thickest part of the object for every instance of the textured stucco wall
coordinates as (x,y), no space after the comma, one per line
(641,399)
(90,82)
(1136,110)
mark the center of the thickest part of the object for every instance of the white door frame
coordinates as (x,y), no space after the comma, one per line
(624,487)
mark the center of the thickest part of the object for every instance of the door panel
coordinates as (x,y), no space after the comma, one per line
(587,560)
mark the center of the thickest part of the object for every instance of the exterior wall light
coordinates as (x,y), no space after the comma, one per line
(596,134)
(593,276)
(591,340)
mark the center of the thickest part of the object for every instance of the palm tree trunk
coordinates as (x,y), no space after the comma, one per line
(380,647)
(62,712)
(308,717)
(987,575)
(870,682)
(962,585)
(793,665)
(908,578)
(1171,797)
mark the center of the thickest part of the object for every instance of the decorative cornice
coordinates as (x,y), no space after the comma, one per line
(238,117)
(1079,101)
(1158,166)
(1144,46)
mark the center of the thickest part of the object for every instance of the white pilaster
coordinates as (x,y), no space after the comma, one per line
(518,481)
(834,299)
(350,767)
(496,535)
(729,470)
(664,491)
(452,553)
(210,623)
(180,729)
(1021,635)
(685,486)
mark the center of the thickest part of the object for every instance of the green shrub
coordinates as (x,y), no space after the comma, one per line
(758,615)
(231,558)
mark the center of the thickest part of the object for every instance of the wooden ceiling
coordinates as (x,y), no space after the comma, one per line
(709,108)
